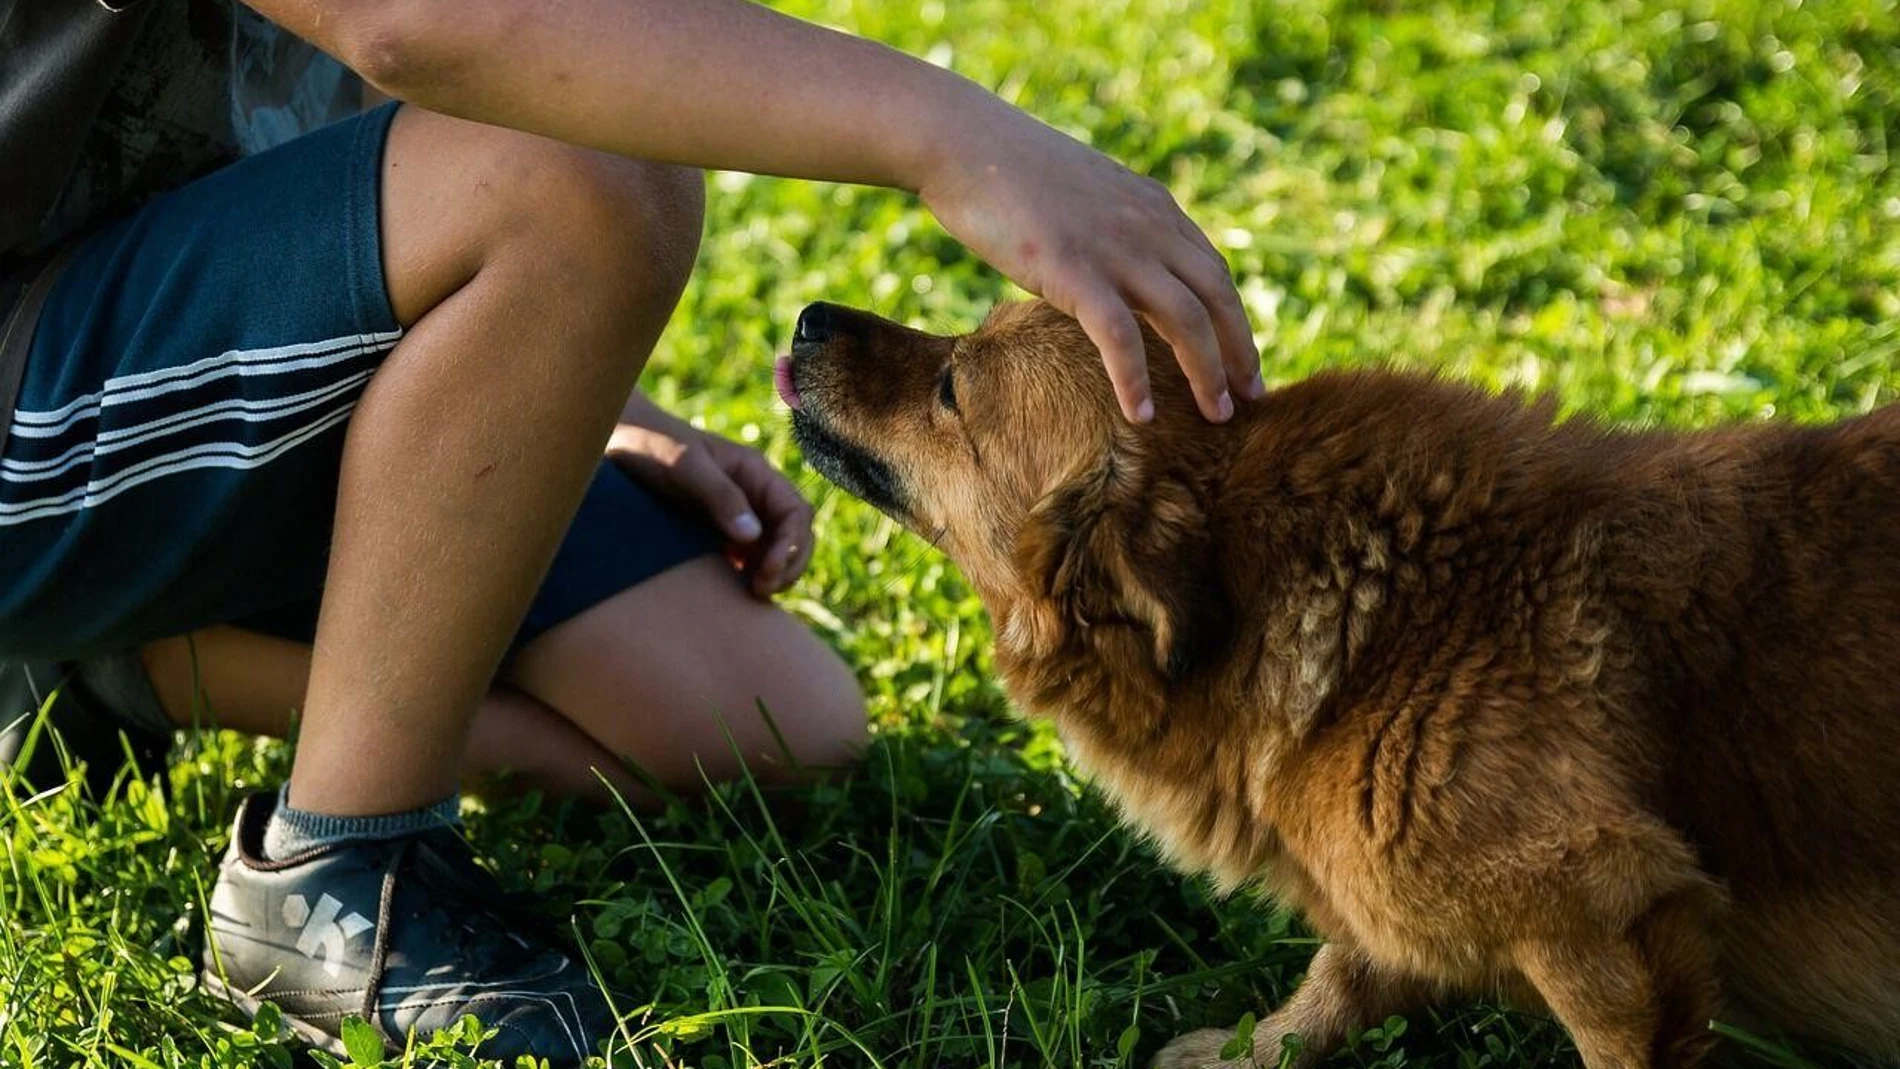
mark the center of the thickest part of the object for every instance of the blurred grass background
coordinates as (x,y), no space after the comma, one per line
(1674,212)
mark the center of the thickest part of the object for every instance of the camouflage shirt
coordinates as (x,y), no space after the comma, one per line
(103,106)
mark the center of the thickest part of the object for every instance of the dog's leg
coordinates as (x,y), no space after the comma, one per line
(1343,990)
(1640,1000)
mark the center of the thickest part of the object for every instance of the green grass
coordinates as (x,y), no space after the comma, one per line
(1667,212)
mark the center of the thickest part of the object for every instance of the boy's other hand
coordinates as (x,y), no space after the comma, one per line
(767,523)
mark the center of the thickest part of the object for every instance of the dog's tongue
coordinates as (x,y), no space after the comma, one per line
(782,378)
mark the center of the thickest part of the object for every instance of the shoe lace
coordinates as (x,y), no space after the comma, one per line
(496,924)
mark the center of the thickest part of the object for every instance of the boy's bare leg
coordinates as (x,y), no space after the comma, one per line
(227,677)
(672,673)
(648,674)
(533,279)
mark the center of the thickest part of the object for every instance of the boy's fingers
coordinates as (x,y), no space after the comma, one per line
(1198,238)
(788,516)
(1214,287)
(773,494)
(1106,319)
(800,560)
(791,551)
(772,561)
(701,477)
(1181,318)
(789,513)
(772,569)
(1205,272)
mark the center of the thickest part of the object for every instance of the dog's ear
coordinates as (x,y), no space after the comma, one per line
(1105,549)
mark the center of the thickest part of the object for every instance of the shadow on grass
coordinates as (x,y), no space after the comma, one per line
(958,899)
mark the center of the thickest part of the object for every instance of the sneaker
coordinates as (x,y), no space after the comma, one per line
(409,934)
(92,714)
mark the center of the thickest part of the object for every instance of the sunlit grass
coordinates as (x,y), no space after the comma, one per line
(1663,212)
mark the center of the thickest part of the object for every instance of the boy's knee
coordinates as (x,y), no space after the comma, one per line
(835,726)
(460,197)
(630,227)
(817,713)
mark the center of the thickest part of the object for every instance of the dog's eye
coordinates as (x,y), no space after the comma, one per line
(947,390)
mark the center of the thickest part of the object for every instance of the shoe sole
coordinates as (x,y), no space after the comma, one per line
(309,1033)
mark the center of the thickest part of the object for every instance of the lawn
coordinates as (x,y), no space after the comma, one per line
(1662,212)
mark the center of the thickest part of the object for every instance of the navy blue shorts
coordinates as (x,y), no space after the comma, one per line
(175,448)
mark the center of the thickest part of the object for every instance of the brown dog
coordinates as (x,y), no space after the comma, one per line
(1607,721)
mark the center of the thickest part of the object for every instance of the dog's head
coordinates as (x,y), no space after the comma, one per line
(1006,449)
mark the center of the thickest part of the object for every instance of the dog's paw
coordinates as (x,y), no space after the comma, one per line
(1200,1050)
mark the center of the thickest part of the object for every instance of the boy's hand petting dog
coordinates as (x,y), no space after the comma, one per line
(1100,243)
(766,519)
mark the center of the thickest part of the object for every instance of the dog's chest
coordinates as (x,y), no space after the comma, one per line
(1204,816)
(1224,811)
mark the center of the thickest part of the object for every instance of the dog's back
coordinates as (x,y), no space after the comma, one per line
(1762,575)
(1752,579)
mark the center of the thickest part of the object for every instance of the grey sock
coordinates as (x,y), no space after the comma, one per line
(293,831)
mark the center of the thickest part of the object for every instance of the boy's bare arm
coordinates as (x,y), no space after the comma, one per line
(729,84)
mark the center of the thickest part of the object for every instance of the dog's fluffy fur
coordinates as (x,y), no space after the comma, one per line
(1603,720)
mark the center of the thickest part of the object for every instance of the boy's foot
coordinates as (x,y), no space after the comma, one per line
(409,934)
(101,708)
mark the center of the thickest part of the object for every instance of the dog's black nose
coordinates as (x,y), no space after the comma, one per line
(814,324)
